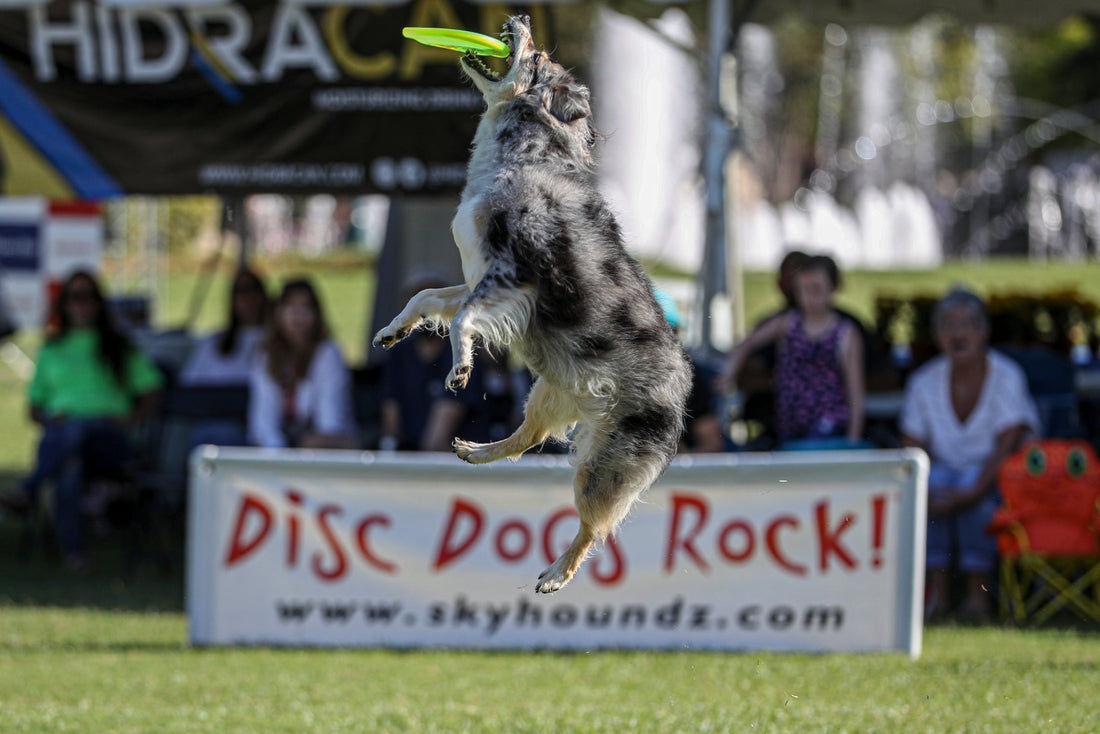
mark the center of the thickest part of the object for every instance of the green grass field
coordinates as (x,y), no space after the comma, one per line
(100,654)
(89,670)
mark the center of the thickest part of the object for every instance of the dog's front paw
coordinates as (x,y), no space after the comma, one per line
(389,336)
(553,578)
(458,377)
(470,452)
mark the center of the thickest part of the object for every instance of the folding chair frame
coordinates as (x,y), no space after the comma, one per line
(1034,587)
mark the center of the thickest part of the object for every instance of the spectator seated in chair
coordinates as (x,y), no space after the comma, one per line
(969,409)
(90,387)
(226,359)
(300,389)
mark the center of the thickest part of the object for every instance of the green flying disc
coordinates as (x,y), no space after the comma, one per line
(456,40)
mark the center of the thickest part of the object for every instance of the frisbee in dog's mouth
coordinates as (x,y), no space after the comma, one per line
(467,42)
(471,45)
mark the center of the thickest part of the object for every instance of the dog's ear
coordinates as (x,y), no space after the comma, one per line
(568,101)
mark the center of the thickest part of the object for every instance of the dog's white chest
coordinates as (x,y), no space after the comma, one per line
(468,229)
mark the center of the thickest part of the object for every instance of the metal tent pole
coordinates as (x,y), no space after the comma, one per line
(721,270)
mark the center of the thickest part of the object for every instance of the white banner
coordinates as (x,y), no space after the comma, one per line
(814,551)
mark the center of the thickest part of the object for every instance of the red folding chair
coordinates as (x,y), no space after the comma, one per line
(1048,531)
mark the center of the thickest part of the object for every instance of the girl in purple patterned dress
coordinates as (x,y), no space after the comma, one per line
(819,385)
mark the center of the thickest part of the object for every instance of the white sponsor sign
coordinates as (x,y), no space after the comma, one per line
(821,552)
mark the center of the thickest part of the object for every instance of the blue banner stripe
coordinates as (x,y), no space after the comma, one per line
(53,140)
(221,85)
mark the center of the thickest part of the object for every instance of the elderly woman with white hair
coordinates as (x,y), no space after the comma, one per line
(969,409)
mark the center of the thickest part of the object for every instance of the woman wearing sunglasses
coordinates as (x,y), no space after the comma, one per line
(90,387)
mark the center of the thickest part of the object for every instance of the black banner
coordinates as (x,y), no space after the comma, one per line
(100,99)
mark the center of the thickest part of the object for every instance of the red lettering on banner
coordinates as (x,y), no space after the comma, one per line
(749,543)
(617,571)
(294,497)
(829,541)
(514,540)
(340,565)
(256,519)
(735,541)
(771,539)
(364,546)
(519,529)
(695,537)
(679,502)
(878,512)
(239,548)
(449,550)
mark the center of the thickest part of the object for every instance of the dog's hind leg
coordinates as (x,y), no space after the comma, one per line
(604,491)
(431,306)
(593,529)
(548,412)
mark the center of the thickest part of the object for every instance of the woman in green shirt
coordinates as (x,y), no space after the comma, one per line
(90,386)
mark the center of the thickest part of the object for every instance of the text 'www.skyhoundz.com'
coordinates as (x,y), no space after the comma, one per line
(492,617)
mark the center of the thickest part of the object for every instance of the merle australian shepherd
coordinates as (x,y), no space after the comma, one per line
(548,277)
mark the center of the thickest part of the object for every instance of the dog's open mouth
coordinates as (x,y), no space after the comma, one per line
(474,62)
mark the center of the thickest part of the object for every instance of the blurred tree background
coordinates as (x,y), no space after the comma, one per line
(1056,66)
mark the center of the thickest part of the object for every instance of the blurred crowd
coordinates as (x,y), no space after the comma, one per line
(800,378)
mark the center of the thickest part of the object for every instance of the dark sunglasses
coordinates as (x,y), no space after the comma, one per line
(81,296)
